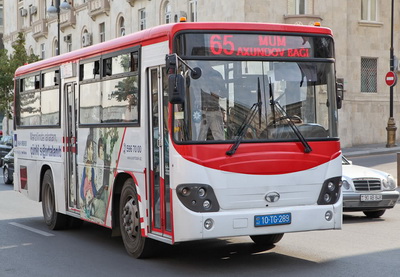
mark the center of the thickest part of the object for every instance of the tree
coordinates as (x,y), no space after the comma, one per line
(8,65)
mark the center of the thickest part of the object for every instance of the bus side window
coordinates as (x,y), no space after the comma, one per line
(107,67)
(135,61)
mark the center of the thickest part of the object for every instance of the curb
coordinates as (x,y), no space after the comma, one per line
(364,152)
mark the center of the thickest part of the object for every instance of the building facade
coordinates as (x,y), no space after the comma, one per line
(362,30)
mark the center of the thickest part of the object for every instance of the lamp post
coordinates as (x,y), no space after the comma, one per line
(55,9)
(391,125)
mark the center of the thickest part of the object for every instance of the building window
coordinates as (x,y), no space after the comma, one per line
(1,15)
(168,14)
(296,7)
(193,10)
(142,19)
(42,51)
(55,47)
(369,10)
(121,27)
(102,31)
(369,72)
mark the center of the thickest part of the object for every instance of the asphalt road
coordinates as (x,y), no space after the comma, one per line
(364,247)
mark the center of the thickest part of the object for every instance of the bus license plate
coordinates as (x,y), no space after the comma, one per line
(272,219)
(371,197)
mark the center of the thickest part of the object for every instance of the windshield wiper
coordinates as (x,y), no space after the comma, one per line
(246,122)
(243,127)
(307,147)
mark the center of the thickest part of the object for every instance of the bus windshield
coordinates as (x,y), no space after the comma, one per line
(257,98)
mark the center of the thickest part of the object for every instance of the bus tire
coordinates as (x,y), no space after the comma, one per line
(267,239)
(54,220)
(129,219)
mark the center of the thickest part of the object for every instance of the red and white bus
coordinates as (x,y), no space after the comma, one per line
(183,132)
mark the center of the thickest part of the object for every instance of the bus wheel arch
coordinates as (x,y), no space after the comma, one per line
(129,216)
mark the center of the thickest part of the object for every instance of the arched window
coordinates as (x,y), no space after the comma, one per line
(121,27)
(168,12)
(56,51)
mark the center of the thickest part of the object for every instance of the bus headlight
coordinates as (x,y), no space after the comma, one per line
(330,192)
(198,197)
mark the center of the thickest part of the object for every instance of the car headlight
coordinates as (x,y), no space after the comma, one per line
(389,183)
(345,184)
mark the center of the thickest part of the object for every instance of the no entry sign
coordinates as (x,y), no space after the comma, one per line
(391,78)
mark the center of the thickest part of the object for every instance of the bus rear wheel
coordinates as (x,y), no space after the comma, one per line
(135,244)
(54,220)
(267,239)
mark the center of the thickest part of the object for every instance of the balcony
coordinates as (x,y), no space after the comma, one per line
(131,2)
(11,38)
(39,29)
(67,19)
(302,19)
(98,7)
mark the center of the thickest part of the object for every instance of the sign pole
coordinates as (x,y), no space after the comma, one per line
(391,125)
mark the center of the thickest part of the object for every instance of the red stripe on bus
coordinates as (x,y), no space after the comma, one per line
(261,158)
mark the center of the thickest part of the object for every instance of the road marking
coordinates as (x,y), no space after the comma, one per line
(46,234)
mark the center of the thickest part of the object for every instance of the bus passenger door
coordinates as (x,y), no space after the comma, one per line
(70,146)
(159,148)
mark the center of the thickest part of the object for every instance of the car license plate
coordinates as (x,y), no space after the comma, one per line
(371,197)
(272,219)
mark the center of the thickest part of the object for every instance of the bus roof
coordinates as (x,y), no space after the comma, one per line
(163,33)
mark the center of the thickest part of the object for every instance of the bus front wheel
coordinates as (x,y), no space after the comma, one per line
(267,239)
(135,244)
(54,220)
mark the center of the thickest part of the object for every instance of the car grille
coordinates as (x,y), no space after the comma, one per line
(367,184)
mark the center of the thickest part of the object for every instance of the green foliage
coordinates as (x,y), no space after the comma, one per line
(8,65)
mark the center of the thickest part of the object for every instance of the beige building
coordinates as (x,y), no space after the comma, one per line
(361,28)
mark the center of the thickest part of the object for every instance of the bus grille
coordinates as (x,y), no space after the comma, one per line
(367,184)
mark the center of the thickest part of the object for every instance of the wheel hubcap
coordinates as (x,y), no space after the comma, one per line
(130,218)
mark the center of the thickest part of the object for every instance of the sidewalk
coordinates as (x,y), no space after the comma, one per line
(370,149)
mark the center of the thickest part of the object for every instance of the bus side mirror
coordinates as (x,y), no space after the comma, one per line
(339,93)
(176,89)
(171,63)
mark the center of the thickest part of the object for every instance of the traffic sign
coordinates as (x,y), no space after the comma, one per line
(391,78)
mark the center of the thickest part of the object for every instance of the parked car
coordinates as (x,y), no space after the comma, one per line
(6,144)
(8,167)
(367,190)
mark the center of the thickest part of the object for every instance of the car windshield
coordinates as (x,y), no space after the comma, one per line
(256,99)
(6,140)
(345,161)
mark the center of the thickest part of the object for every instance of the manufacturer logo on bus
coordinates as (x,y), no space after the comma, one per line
(272,197)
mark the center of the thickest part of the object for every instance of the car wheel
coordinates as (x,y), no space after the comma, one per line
(374,214)
(267,239)
(135,244)
(6,176)
(54,220)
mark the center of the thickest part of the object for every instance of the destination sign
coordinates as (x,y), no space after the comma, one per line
(254,45)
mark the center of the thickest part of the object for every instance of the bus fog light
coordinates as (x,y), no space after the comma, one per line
(328,215)
(327,197)
(206,204)
(208,223)
(202,192)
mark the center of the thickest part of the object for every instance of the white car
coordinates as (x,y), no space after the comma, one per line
(367,190)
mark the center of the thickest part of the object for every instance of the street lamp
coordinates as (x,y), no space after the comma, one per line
(391,125)
(55,9)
